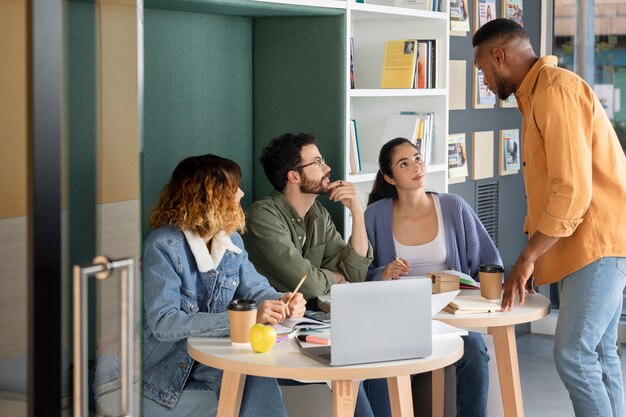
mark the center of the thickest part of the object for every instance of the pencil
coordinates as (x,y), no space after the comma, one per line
(400,261)
(296,290)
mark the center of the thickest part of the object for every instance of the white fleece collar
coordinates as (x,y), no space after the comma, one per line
(220,243)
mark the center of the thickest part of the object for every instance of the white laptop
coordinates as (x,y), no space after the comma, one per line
(377,321)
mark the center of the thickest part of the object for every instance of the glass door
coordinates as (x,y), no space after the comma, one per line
(70,111)
(103,43)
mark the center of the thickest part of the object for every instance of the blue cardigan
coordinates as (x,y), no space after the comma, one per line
(467,243)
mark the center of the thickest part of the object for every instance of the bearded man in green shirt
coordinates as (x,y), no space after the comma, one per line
(290,234)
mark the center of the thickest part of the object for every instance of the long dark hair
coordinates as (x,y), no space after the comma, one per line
(381,188)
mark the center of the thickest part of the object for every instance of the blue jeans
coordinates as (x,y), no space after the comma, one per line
(585,342)
(362,409)
(472,373)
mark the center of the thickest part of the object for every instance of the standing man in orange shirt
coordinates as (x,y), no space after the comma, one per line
(575,176)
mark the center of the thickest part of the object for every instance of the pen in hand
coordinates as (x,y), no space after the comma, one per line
(295,291)
(400,261)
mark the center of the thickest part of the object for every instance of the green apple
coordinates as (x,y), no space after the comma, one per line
(262,338)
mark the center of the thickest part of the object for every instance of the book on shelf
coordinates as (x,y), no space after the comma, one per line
(428,5)
(399,63)
(352,80)
(425,135)
(423,58)
(414,4)
(417,127)
(402,125)
(466,304)
(457,157)
(355,154)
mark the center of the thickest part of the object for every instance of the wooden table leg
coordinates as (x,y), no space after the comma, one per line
(344,397)
(400,396)
(438,395)
(230,394)
(508,370)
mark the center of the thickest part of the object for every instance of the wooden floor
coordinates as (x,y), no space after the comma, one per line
(10,408)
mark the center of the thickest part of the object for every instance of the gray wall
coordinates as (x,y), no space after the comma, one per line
(512,203)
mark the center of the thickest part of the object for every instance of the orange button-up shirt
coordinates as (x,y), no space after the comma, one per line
(574,171)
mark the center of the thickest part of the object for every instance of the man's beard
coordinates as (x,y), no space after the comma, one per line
(313,187)
(503,88)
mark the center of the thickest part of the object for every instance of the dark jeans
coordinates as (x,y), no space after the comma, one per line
(472,374)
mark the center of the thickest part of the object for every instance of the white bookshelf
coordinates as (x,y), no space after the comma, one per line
(370,25)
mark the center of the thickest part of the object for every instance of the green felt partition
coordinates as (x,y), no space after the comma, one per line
(81,131)
(228,84)
(197,94)
(299,86)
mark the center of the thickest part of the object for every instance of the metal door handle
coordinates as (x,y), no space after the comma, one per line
(101,268)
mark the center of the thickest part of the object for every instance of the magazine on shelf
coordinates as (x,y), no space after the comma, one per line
(403,125)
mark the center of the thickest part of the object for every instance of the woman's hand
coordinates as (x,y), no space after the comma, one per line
(271,312)
(396,268)
(297,306)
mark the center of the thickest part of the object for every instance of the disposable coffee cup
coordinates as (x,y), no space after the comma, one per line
(242,316)
(490,277)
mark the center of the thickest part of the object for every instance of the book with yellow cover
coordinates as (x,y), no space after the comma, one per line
(399,62)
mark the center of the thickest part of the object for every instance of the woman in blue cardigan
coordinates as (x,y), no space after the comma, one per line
(427,232)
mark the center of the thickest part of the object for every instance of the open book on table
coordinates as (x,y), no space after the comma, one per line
(465,304)
(466,282)
(302,323)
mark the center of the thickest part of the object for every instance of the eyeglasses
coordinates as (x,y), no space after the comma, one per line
(320,162)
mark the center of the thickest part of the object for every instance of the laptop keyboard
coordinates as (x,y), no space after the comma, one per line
(318,315)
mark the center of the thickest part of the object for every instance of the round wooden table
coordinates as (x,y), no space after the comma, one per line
(501,325)
(286,361)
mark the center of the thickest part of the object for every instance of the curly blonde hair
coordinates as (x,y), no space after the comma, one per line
(200,197)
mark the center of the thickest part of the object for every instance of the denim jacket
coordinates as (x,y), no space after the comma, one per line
(186,293)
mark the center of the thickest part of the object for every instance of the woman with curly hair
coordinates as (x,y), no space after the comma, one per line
(194,263)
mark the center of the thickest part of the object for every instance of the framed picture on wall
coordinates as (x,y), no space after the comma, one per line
(484,98)
(509,152)
(457,158)
(514,10)
(485,11)
(459,18)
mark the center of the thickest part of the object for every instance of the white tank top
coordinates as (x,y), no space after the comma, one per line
(429,257)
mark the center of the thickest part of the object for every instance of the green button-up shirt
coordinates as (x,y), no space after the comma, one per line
(284,247)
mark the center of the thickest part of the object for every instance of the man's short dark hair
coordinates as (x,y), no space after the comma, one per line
(282,155)
(498,29)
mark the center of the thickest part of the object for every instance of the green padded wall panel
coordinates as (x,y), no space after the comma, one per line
(81,136)
(197,95)
(239,7)
(299,86)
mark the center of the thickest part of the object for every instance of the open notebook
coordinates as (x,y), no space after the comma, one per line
(465,304)
(302,323)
